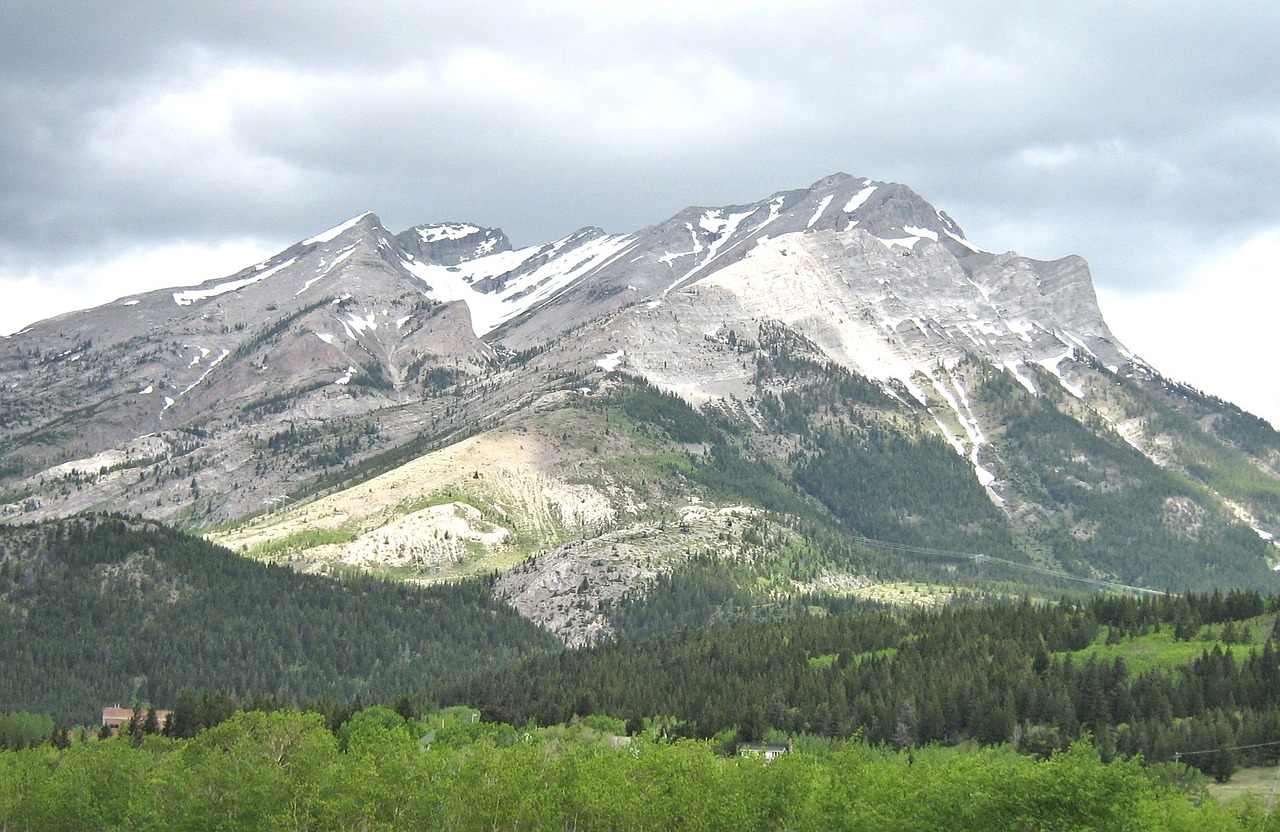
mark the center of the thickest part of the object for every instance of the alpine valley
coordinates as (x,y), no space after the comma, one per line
(829,392)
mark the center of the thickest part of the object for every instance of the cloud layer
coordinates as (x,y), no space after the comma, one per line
(1144,136)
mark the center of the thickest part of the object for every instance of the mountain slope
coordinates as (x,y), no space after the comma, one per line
(437,403)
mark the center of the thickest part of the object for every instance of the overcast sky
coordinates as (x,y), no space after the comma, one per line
(150,144)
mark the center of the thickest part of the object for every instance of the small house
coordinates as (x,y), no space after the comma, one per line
(114,718)
(768,750)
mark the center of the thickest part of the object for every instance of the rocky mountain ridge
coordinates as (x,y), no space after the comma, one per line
(809,326)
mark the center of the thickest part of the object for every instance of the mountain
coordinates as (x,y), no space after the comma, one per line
(799,387)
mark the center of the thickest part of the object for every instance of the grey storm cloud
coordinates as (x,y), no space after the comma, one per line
(1096,128)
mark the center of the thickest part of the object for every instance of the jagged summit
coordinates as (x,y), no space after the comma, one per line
(906,288)
(891,212)
(520,298)
(451,243)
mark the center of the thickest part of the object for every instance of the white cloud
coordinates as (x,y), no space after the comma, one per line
(91,283)
(183,145)
(1218,333)
(1138,144)
(1042,156)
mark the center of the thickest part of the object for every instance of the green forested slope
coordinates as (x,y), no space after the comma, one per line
(1104,506)
(104,610)
(1039,675)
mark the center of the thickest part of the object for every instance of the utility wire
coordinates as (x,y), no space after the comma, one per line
(977,557)
(1178,754)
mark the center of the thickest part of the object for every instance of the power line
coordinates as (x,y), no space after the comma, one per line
(978,557)
(1179,754)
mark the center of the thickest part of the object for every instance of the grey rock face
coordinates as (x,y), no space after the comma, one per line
(355,321)
(451,243)
(329,328)
(700,241)
(353,350)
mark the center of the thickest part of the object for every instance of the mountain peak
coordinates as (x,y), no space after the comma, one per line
(451,243)
(831,181)
(893,213)
(445,231)
(367,220)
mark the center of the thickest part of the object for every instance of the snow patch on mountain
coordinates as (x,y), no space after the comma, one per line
(962,241)
(957,399)
(821,209)
(204,353)
(916,231)
(190,296)
(205,375)
(1075,339)
(669,256)
(446,231)
(609,362)
(948,434)
(357,324)
(1012,367)
(523,290)
(775,210)
(326,236)
(1019,327)
(326,269)
(723,226)
(1051,364)
(859,199)
(905,242)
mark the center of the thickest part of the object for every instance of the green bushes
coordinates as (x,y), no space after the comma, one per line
(19,729)
(285,770)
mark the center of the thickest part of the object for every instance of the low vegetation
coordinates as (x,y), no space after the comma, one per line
(380,770)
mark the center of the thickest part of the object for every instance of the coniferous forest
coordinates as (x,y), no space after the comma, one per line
(1202,677)
(108,610)
(104,611)
(1091,703)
